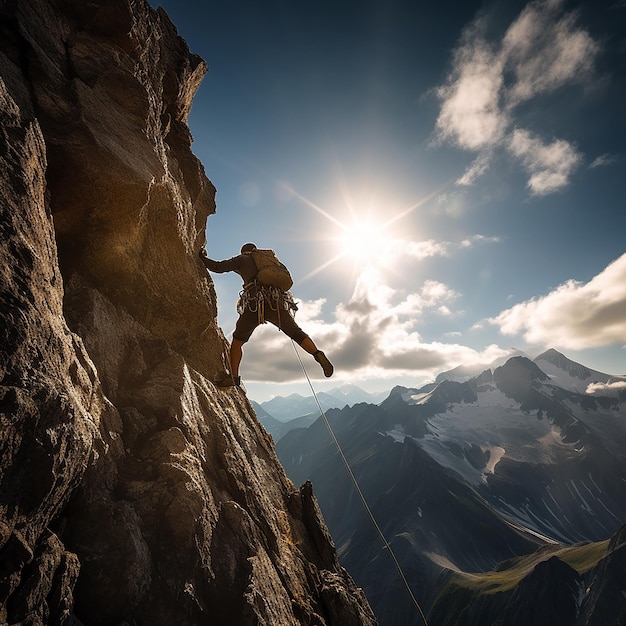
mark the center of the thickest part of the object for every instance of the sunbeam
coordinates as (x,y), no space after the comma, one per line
(363,238)
(314,206)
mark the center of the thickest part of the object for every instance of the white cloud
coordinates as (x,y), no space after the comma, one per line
(575,315)
(311,309)
(473,239)
(471,116)
(424,249)
(545,50)
(372,335)
(434,292)
(542,50)
(479,166)
(550,165)
(604,388)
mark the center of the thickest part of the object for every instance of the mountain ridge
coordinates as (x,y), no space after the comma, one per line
(545,460)
(287,408)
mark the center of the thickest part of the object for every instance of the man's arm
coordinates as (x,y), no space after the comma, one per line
(229,265)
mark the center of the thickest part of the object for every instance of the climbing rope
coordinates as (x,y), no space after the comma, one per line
(358,489)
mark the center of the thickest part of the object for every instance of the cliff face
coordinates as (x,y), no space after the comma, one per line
(131,489)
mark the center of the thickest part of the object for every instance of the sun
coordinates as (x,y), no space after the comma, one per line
(364,239)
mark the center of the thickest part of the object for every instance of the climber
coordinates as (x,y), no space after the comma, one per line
(260,301)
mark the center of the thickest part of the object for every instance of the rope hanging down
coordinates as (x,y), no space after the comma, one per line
(358,489)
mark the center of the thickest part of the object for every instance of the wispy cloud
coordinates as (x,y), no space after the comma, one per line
(375,333)
(471,113)
(575,315)
(603,159)
(374,330)
(550,165)
(604,388)
(542,50)
(431,248)
(545,49)
(479,166)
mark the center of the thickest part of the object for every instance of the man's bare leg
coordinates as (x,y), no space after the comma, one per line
(309,345)
(236,354)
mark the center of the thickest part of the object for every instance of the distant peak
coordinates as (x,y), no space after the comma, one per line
(551,355)
(517,376)
(563,363)
(521,363)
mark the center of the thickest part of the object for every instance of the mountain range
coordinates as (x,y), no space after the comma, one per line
(286,408)
(284,413)
(512,480)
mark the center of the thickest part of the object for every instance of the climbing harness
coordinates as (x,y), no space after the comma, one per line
(358,489)
(254,297)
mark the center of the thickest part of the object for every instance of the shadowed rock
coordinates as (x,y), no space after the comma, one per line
(131,490)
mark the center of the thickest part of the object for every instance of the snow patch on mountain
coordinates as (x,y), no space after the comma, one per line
(397,433)
(472,438)
(413,396)
(532,521)
(496,453)
(573,376)
(565,379)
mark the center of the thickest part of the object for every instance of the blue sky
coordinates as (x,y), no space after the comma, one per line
(477,149)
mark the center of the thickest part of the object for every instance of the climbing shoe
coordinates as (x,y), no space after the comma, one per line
(327,366)
(229,381)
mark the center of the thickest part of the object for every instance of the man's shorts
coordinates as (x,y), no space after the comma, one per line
(249,320)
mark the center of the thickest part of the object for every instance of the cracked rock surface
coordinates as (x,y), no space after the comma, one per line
(131,489)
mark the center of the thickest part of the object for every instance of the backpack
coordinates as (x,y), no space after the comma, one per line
(270,271)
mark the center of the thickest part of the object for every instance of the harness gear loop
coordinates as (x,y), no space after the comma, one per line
(255,297)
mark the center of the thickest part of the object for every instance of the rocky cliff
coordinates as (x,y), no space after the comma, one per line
(131,489)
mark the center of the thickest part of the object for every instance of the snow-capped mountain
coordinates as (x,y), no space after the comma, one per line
(462,475)
(573,376)
(562,371)
(562,450)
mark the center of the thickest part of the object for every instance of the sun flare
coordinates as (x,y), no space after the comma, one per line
(364,239)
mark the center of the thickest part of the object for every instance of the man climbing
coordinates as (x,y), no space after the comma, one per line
(260,303)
